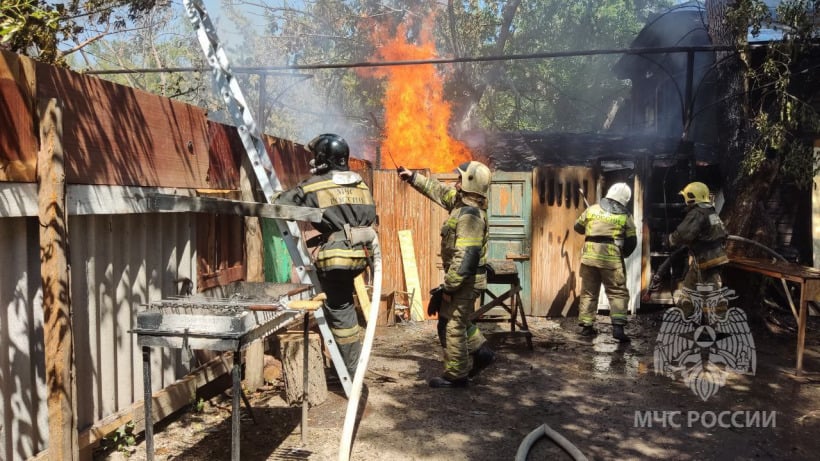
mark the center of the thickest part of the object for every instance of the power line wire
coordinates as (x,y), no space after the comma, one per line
(279,70)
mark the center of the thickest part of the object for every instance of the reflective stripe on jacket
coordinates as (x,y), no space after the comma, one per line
(464,235)
(345,199)
(610,235)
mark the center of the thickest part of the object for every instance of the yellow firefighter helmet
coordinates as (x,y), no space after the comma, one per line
(695,192)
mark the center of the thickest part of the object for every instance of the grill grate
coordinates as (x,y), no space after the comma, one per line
(213,323)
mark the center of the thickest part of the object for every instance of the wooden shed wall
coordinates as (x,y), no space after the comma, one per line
(400,207)
(556,247)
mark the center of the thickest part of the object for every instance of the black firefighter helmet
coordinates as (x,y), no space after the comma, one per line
(330,152)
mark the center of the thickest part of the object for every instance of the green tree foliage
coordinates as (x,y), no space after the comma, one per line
(572,93)
(50,31)
(31,26)
(160,38)
(297,103)
(538,94)
(783,86)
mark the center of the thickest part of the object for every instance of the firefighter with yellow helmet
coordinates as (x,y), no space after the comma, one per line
(464,237)
(346,231)
(703,232)
(609,237)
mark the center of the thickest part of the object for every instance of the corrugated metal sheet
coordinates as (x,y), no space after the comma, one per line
(144,139)
(290,160)
(224,153)
(118,262)
(18,145)
(24,423)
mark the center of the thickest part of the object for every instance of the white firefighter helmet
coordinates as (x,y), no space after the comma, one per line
(475,178)
(620,193)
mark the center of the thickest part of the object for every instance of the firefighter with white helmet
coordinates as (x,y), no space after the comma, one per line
(346,226)
(609,237)
(703,232)
(464,237)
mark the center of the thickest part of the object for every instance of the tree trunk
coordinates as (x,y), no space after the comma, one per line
(744,212)
(468,93)
(291,351)
(743,195)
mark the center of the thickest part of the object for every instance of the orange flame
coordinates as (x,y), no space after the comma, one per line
(416,115)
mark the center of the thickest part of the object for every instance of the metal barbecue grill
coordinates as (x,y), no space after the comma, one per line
(227,324)
(253,312)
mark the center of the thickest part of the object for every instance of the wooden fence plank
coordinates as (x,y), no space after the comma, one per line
(59,344)
(411,273)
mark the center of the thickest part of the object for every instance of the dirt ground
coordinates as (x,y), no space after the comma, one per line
(589,391)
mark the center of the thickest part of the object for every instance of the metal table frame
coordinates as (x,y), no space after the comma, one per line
(217,342)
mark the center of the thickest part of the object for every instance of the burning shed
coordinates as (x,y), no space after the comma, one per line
(659,139)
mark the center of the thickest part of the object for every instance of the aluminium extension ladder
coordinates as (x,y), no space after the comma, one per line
(263,169)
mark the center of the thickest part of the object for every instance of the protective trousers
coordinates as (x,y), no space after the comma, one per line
(696,286)
(474,339)
(341,314)
(462,336)
(614,281)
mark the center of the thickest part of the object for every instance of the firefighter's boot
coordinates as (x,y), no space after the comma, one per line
(482,358)
(619,334)
(588,331)
(441,382)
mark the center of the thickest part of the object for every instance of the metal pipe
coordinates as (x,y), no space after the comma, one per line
(146,396)
(305,374)
(236,374)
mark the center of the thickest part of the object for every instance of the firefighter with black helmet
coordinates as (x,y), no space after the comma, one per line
(703,232)
(346,231)
(464,238)
(609,237)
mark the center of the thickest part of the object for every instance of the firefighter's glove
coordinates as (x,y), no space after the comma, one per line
(405,174)
(447,295)
(436,299)
(315,241)
(655,283)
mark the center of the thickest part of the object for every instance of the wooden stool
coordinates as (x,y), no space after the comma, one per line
(504,272)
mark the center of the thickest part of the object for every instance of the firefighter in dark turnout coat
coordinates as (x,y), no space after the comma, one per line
(349,213)
(703,232)
(464,239)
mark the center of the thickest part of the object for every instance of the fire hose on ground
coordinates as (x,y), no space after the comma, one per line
(545,431)
(346,443)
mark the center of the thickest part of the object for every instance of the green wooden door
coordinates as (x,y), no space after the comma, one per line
(509,216)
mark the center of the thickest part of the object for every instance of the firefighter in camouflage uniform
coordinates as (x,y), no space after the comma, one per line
(703,232)
(346,231)
(463,253)
(609,237)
